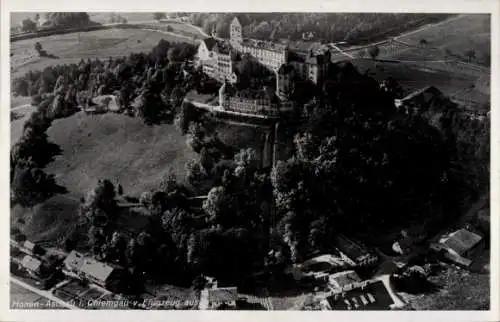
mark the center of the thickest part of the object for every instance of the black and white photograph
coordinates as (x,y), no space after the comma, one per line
(273,161)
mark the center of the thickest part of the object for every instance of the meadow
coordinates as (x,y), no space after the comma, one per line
(471,31)
(71,48)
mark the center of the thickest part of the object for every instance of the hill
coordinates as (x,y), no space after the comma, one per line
(350,27)
(116,147)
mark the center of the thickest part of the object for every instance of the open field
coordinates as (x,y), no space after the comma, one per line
(412,77)
(460,290)
(70,48)
(471,31)
(117,147)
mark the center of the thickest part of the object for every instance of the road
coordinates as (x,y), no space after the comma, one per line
(22,107)
(45,294)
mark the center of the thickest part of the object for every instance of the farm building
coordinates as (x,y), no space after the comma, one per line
(33,266)
(222,297)
(370,295)
(460,246)
(342,280)
(353,252)
(77,265)
(28,247)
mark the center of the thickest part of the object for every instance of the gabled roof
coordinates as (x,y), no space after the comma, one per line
(29,245)
(461,241)
(342,279)
(31,263)
(223,294)
(74,260)
(88,266)
(96,269)
(372,296)
(210,42)
(235,21)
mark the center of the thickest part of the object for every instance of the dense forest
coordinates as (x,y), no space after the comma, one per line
(359,164)
(350,27)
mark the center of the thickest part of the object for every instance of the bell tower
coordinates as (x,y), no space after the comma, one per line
(235,32)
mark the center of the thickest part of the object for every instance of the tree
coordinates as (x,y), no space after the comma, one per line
(220,206)
(28,25)
(374,52)
(100,207)
(31,186)
(159,16)
(38,47)
(120,190)
(422,42)
(470,54)
(195,174)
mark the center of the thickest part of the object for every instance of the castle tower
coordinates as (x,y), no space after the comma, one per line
(284,82)
(235,32)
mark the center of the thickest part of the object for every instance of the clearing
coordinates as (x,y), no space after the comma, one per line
(462,86)
(118,147)
(471,31)
(70,48)
(461,290)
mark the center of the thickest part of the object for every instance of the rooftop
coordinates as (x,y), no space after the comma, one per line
(350,248)
(29,245)
(267,45)
(372,296)
(223,294)
(342,279)
(88,266)
(210,42)
(461,240)
(31,263)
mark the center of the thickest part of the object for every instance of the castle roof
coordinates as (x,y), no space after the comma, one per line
(285,69)
(222,47)
(262,44)
(236,21)
(213,43)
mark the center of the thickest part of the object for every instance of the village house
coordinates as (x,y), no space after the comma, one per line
(79,266)
(460,246)
(369,295)
(222,297)
(343,280)
(32,265)
(353,252)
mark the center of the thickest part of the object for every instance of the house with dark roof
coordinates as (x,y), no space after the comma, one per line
(369,295)
(342,280)
(353,252)
(32,265)
(460,246)
(222,297)
(79,266)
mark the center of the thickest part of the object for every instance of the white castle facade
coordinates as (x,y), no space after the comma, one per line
(215,57)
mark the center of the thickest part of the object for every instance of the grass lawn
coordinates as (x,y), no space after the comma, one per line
(117,147)
(70,48)
(471,31)
(461,290)
(413,77)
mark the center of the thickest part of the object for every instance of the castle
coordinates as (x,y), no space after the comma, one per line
(215,57)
